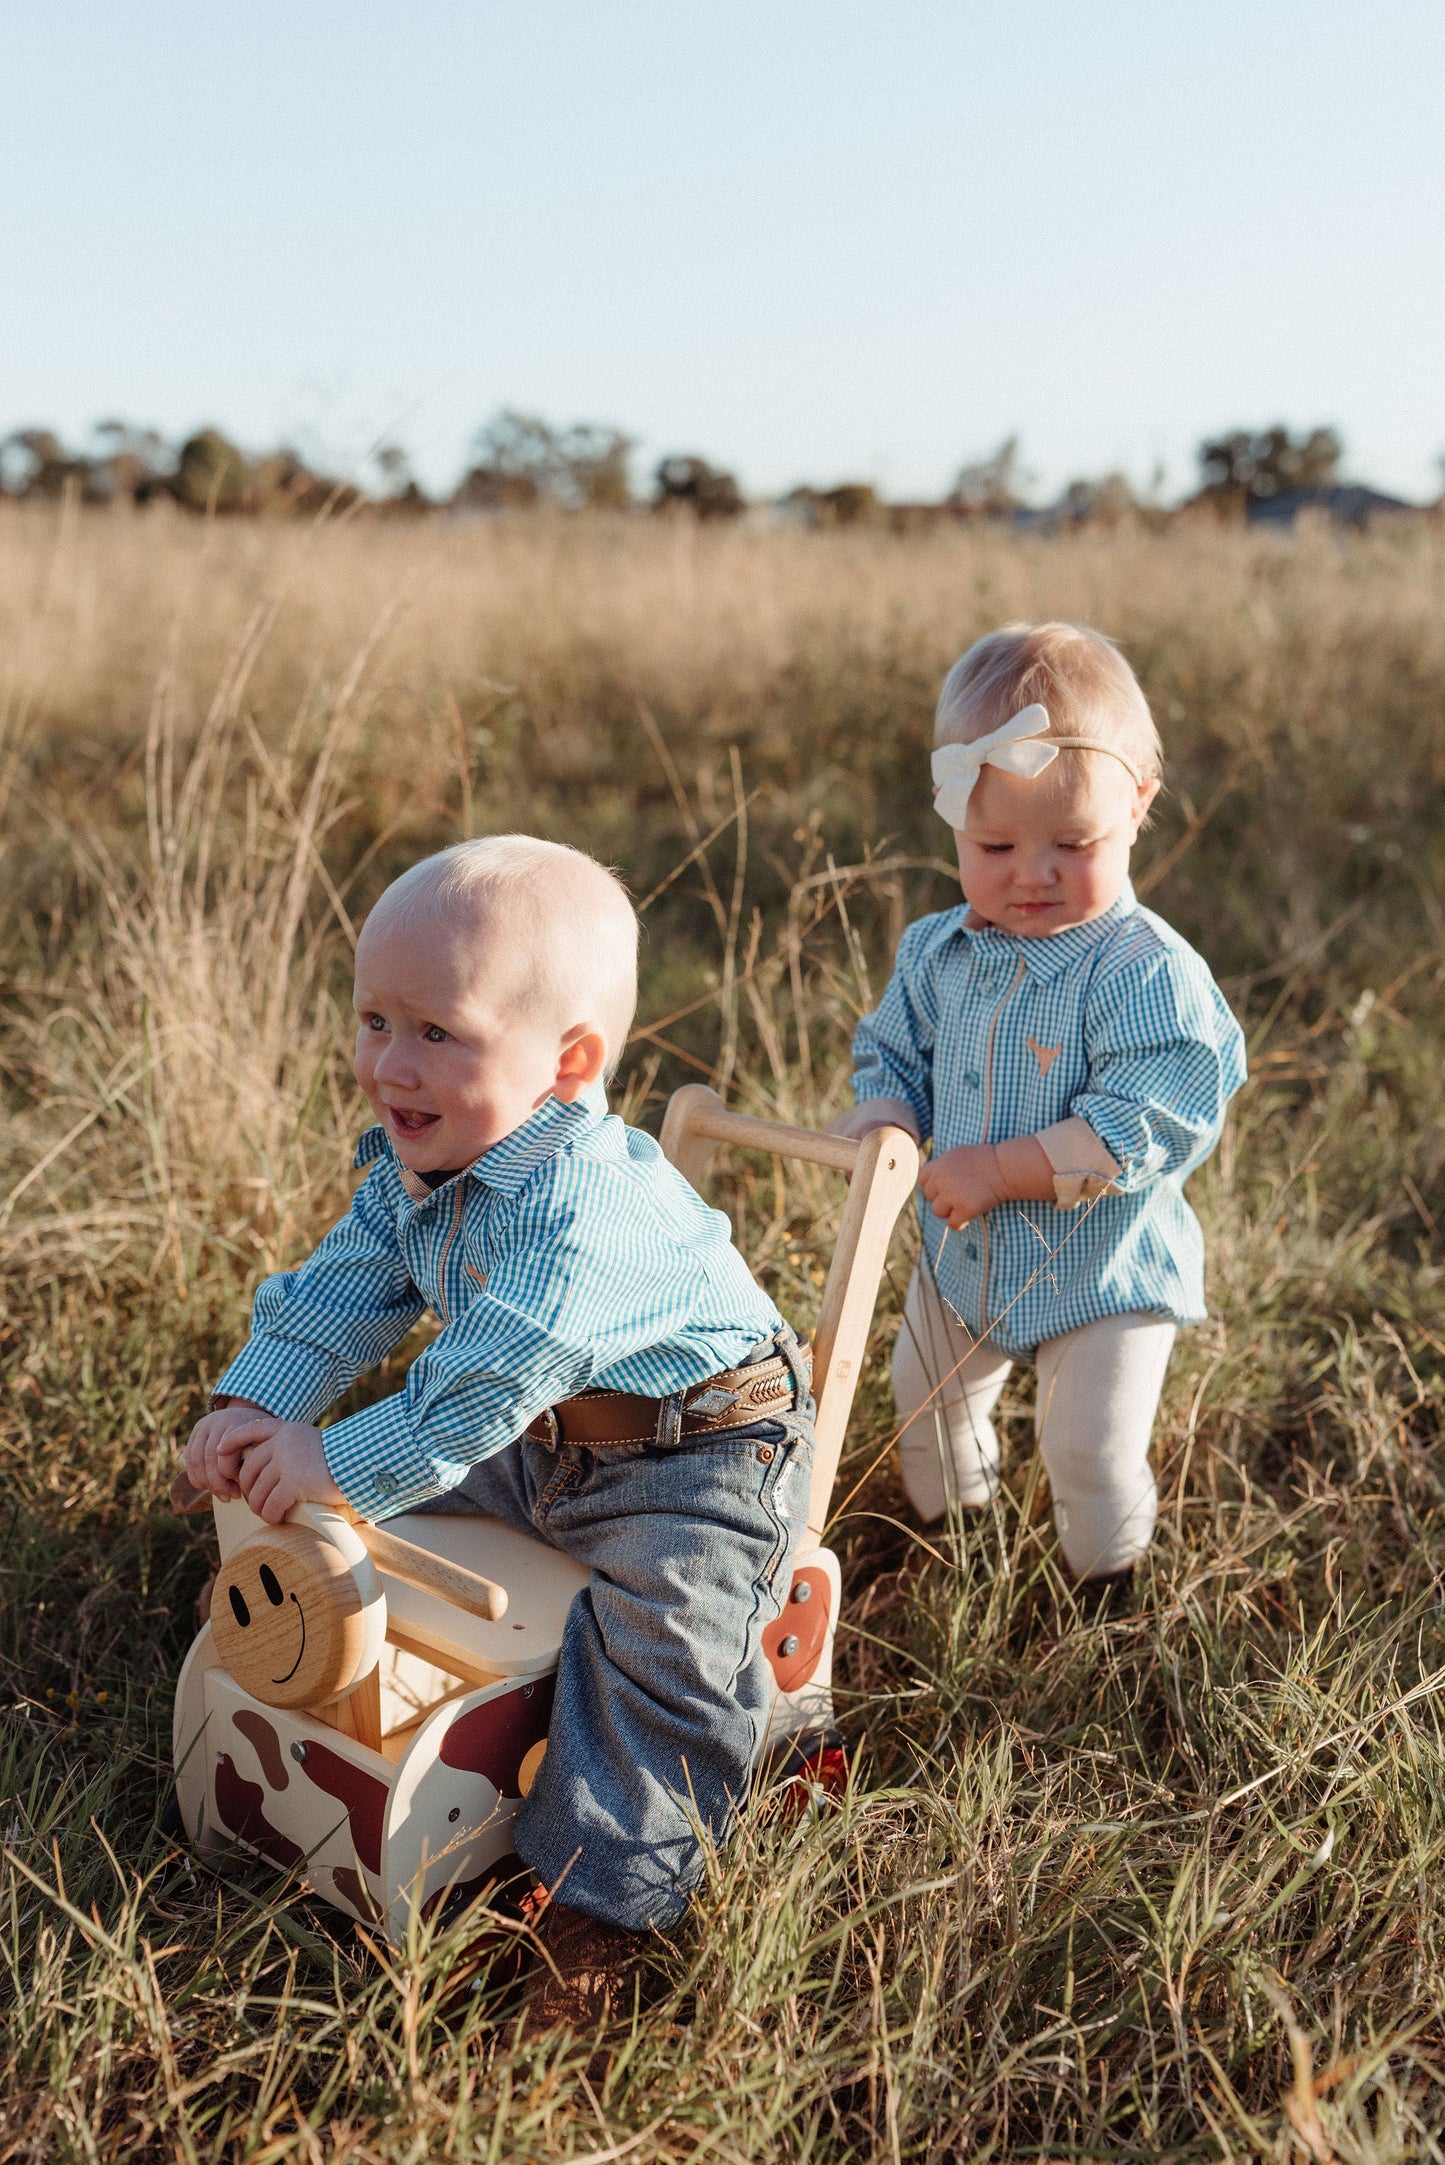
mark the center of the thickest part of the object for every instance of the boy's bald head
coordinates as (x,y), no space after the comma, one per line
(553,929)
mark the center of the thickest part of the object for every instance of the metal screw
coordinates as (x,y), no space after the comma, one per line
(298,1752)
(765,1454)
(789,1647)
(803,1591)
(454,1814)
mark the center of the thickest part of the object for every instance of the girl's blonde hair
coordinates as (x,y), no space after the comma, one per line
(1078,675)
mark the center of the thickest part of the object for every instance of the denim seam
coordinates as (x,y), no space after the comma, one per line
(566,1478)
(766,1579)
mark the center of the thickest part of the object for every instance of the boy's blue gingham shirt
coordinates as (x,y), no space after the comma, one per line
(989,1036)
(571,1254)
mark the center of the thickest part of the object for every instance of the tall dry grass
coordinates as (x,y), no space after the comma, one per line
(1160,1884)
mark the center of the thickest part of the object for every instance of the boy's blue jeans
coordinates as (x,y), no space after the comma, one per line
(663,1688)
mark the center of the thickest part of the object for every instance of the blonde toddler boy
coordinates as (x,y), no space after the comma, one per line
(584,1385)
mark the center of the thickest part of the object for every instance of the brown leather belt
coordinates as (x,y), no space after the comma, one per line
(729,1400)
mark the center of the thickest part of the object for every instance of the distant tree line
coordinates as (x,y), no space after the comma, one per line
(521,462)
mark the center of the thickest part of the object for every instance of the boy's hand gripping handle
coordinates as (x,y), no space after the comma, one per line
(465,1590)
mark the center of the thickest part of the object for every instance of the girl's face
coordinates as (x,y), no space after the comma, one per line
(1038,854)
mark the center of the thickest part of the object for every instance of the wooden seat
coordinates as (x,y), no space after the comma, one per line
(540,1583)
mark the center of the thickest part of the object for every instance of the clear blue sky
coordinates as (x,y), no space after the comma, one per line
(812,239)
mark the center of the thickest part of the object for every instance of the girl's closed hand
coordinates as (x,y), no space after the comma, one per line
(962,1184)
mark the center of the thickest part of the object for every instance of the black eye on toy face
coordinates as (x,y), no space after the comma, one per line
(238,1607)
(271,1586)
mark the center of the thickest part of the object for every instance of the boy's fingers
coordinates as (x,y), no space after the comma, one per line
(240,1435)
(269,1497)
(221,1472)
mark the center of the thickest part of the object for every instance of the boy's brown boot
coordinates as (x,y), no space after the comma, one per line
(588,1971)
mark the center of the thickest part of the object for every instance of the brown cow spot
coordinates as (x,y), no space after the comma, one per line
(804,1620)
(352,1888)
(494,1738)
(364,1796)
(265,1743)
(240,1806)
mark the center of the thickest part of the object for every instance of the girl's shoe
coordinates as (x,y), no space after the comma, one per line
(1110,1594)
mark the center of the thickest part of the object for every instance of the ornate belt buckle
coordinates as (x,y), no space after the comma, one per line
(712,1401)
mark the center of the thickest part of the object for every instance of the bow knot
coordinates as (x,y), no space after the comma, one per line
(1013,746)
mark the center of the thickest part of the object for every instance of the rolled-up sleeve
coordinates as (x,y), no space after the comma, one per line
(316,1329)
(1165,1057)
(893,1047)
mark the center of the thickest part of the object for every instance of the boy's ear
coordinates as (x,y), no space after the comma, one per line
(580,1062)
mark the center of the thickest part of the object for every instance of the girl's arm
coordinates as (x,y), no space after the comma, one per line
(1165,1057)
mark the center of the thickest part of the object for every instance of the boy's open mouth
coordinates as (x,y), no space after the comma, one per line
(410,1123)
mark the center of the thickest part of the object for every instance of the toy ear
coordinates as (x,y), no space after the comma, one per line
(185,1496)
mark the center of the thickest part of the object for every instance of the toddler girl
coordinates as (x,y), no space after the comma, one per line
(1071,1058)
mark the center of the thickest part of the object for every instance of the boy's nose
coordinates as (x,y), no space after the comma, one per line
(394,1064)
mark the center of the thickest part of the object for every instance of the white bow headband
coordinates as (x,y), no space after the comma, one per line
(956,767)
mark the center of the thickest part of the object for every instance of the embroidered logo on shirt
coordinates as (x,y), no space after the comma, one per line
(1046,1055)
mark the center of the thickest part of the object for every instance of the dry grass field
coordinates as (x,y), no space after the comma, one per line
(1166,1885)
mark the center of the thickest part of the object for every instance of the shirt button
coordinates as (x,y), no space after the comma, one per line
(969,1078)
(385,1483)
(970,1249)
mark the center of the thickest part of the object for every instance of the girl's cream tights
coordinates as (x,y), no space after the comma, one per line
(1098,1391)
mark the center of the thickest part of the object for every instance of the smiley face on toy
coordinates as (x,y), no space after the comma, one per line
(286,1616)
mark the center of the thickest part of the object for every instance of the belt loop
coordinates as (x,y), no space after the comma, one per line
(792,1352)
(669,1421)
(551,1427)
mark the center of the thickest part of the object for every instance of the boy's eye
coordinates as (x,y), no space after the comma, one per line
(373,1022)
(434,1034)
(995,849)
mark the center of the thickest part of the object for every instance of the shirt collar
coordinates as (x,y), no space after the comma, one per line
(509,1164)
(1056,951)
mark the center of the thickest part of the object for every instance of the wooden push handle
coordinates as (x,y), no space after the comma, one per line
(697,1116)
(464,1589)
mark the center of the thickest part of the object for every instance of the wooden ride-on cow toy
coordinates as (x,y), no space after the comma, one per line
(368,1705)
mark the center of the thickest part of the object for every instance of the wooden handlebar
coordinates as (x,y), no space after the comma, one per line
(464,1589)
(720,1126)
